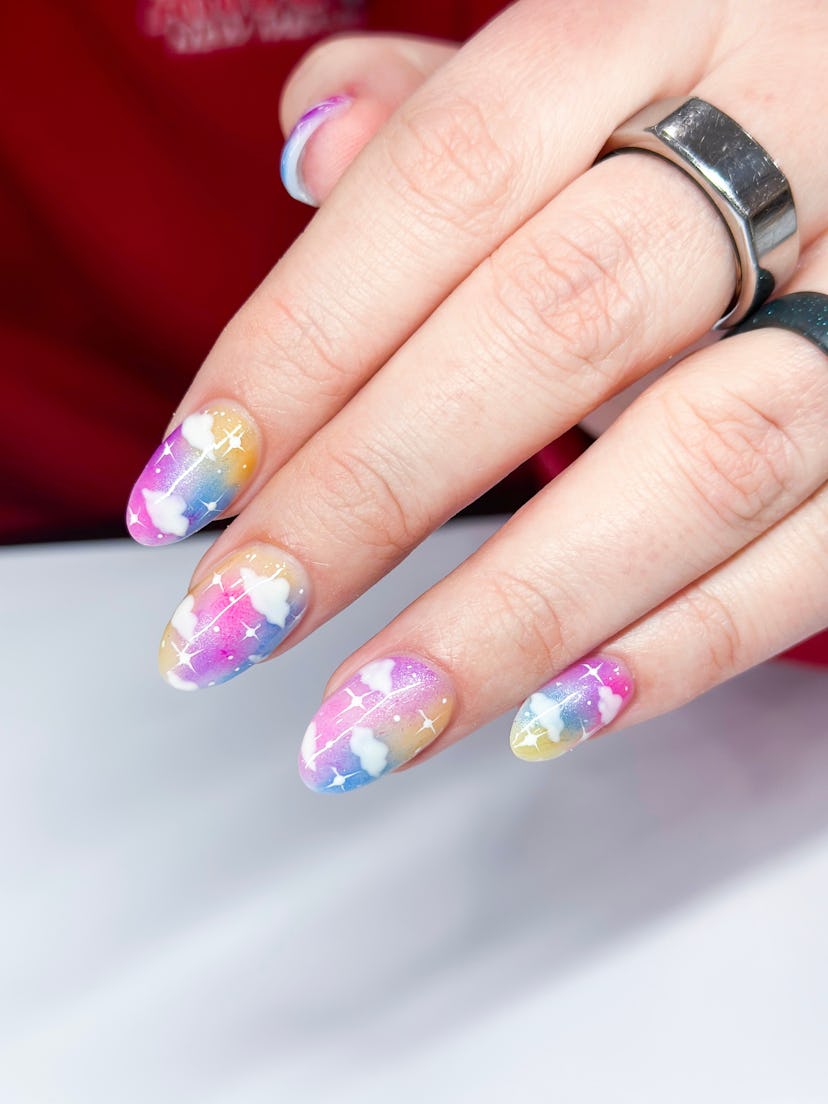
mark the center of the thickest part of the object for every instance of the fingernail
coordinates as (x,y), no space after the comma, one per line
(235,617)
(297,140)
(582,700)
(193,475)
(382,717)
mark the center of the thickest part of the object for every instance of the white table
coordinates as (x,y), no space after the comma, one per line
(181,921)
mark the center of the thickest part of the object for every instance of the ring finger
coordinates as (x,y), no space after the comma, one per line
(628,264)
(731,440)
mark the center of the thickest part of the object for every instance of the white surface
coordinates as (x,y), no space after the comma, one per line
(181,921)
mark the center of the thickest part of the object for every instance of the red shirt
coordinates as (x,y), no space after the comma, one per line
(140,204)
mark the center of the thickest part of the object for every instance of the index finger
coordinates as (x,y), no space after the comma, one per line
(464,162)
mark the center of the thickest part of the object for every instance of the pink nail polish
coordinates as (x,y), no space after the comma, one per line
(193,475)
(234,618)
(567,710)
(383,716)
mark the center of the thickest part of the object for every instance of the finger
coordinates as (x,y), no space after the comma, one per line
(716,452)
(372,74)
(351,84)
(278,447)
(531,340)
(763,600)
(627,264)
(457,168)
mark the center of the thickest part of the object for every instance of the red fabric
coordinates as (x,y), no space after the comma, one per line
(139,206)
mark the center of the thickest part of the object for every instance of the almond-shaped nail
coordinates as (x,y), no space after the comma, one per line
(234,618)
(193,475)
(567,710)
(294,148)
(383,716)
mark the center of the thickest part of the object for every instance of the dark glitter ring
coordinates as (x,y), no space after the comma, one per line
(802,312)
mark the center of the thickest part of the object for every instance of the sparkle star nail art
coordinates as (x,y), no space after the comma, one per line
(234,618)
(193,475)
(383,716)
(571,708)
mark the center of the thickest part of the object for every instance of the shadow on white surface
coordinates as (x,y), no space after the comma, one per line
(183,921)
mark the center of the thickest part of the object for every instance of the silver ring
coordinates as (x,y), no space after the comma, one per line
(740,178)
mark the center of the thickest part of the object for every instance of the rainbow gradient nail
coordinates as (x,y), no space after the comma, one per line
(581,701)
(235,618)
(297,140)
(193,475)
(382,717)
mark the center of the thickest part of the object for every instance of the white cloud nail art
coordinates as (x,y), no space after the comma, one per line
(184,619)
(377,675)
(197,430)
(166,511)
(268,595)
(371,752)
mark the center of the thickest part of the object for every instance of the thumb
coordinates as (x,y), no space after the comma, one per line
(339,96)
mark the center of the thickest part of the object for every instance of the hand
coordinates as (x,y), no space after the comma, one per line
(471,287)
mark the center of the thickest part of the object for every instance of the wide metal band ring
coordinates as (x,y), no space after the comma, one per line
(741,179)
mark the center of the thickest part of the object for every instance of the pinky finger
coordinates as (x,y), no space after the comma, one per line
(760,602)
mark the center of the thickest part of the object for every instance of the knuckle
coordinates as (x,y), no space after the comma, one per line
(524,616)
(573,298)
(277,334)
(449,164)
(722,644)
(358,490)
(739,461)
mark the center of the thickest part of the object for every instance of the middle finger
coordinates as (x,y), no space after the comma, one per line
(465,160)
(626,265)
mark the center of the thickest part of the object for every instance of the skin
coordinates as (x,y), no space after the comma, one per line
(468,268)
